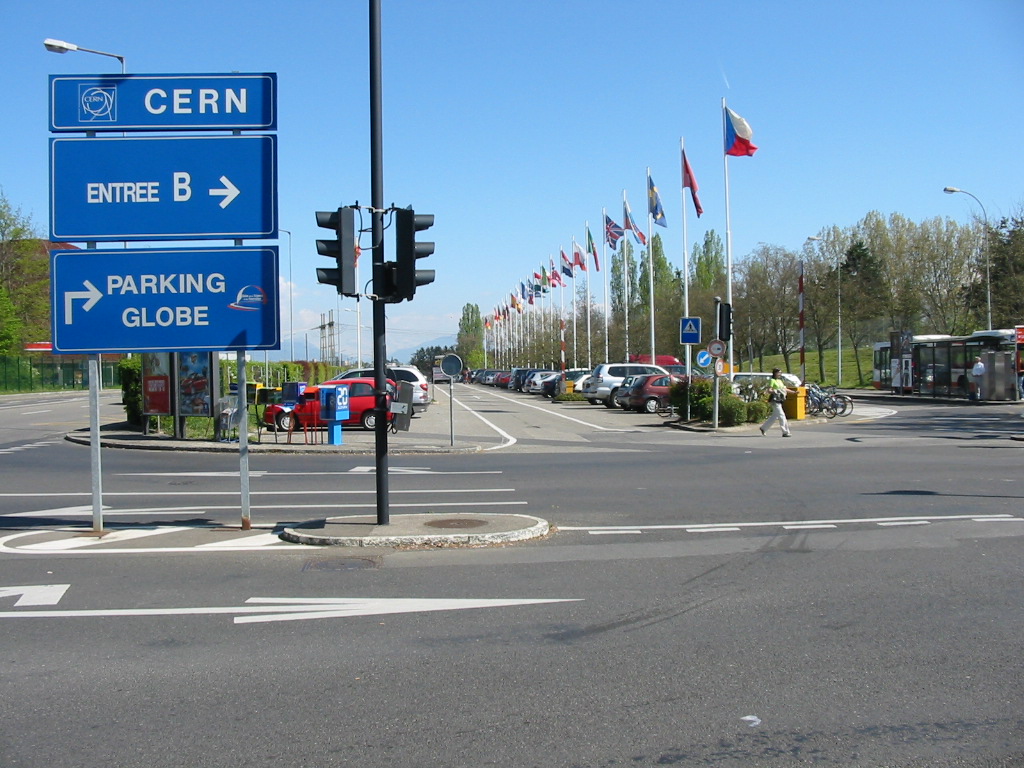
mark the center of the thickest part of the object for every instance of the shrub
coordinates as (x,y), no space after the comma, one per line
(130,370)
(731,411)
(568,397)
(757,411)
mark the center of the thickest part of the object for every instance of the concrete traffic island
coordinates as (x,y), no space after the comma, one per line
(419,531)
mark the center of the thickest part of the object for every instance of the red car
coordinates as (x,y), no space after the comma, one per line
(650,393)
(306,412)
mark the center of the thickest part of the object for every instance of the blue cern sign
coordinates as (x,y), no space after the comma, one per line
(149,300)
(163,188)
(166,102)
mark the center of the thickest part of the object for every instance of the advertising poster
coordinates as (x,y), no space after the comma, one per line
(156,384)
(194,383)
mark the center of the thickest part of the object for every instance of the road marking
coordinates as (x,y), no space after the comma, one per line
(245,542)
(41,594)
(266,609)
(80,541)
(893,523)
(548,412)
(33,413)
(714,527)
(328,492)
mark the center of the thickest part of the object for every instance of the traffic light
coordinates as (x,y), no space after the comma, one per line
(725,321)
(405,276)
(343,250)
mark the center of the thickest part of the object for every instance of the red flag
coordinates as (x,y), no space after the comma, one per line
(578,259)
(691,182)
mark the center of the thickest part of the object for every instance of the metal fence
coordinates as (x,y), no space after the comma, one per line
(40,374)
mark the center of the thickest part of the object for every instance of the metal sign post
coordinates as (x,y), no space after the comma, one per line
(451,366)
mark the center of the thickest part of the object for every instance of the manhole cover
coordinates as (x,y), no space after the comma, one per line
(459,522)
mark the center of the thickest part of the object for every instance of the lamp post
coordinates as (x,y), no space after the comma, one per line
(59,46)
(291,290)
(988,272)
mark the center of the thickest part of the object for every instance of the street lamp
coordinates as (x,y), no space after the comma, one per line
(291,290)
(988,272)
(59,46)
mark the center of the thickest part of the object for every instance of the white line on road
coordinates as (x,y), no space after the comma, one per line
(705,527)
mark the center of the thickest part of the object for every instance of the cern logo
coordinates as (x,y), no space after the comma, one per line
(97,105)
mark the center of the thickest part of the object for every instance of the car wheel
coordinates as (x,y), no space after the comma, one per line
(651,405)
(368,419)
(286,422)
(610,402)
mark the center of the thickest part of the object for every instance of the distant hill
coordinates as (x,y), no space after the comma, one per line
(403,356)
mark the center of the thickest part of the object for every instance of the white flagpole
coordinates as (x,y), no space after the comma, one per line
(607,306)
(587,270)
(575,361)
(650,260)
(728,232)
(625,277)
(686,252)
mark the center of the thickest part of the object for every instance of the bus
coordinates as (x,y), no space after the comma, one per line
(940,365)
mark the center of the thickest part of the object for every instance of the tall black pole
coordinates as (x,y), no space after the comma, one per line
(377,202)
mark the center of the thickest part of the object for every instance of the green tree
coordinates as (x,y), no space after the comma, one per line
(469,343)
(1006,265)
(10,326)
(24,275)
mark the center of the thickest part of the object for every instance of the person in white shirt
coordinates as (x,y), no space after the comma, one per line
(977,374)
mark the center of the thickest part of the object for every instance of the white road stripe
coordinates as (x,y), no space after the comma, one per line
(246,542)
(90,541)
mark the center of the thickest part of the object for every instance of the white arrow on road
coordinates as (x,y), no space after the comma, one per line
(230,192)
(92,294)
(41,594)
(293,609)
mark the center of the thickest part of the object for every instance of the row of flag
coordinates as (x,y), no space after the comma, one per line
(737,135)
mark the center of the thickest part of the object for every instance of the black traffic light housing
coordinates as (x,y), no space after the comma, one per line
(725,321)
(343,250)
(404,277)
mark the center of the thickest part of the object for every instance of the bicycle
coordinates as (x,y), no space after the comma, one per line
(819,401)
(843,403)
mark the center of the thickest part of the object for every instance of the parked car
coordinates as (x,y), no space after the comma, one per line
(651,393)
(421,397)
(623,392)
(539,379)
(306,413)
(607,378)
(502,379)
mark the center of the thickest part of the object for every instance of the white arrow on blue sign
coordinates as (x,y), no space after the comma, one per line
(163,188)
(149,300)
(704,358)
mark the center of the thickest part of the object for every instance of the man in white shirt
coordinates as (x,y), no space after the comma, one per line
(977,374)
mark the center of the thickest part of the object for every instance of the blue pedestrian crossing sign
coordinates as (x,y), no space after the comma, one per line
(689,330)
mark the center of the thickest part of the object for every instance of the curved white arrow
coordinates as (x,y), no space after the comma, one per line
(230,192)
(92,294)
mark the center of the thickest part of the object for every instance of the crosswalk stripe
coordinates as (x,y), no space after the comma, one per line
(115,536)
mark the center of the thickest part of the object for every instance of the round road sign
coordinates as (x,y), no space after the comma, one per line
(703,358)
(716,347)
(451,365)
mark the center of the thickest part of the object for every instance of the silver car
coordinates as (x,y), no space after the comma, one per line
(606,379)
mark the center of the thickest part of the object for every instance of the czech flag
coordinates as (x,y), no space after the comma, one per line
(737,135)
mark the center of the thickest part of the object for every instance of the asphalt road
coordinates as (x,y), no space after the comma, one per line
(849,596)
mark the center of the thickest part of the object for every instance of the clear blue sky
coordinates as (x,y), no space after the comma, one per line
(516,123)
